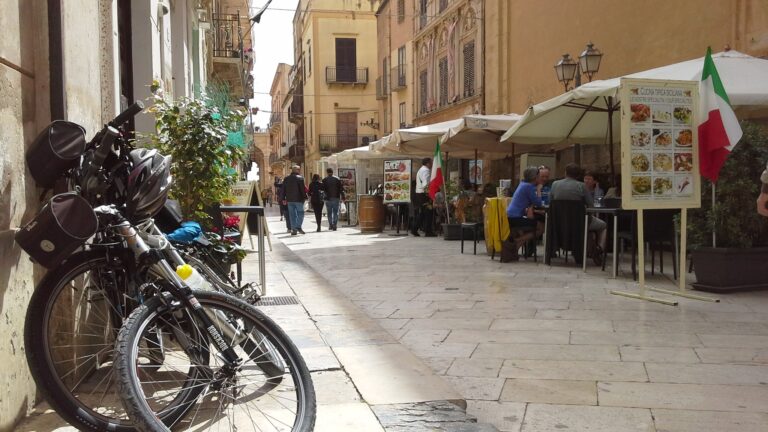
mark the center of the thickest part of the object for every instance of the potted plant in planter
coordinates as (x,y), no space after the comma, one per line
(739,260)
(451,226)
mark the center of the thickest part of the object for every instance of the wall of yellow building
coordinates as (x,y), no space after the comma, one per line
(321,100)
(407,94)
(524,39)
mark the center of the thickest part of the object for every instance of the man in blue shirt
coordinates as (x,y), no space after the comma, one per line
(520,210)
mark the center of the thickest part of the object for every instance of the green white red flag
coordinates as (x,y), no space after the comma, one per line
(719,130)
(436,177)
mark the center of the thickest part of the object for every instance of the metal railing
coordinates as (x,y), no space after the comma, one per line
(335,143)
(398,77)
(226,35)
(381,88)
(346,75)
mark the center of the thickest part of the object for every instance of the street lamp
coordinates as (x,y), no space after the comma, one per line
(567,69)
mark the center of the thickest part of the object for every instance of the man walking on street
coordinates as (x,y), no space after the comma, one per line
(334,194)
(422,211)
(294,194)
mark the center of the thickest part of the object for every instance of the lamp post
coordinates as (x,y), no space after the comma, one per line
(568,69)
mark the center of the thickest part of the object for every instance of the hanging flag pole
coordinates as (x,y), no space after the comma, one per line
(436,176)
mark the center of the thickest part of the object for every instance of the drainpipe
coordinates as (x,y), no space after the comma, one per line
(56,60)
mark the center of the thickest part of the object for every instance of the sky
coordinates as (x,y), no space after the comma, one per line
(273,44)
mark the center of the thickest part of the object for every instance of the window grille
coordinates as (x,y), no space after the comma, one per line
(443,68)
(469,69)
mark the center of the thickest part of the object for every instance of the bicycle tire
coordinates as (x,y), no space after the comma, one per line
(40,359)
(155,311)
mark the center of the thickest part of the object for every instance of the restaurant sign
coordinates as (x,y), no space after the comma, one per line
(659,144)
(348,183)
(397,181)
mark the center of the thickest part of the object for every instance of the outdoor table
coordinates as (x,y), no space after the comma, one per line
(496,227)
(608,211)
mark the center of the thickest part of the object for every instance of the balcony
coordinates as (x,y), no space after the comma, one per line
(381,88)
(296,110)
(226,36)
(398,77)
(296,152)
(337,75)
(336,143)
(273,158)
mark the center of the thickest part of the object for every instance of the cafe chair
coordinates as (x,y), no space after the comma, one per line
(476,229)
(659,235)
(565,230)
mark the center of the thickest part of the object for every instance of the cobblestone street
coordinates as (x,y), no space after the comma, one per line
(537,348)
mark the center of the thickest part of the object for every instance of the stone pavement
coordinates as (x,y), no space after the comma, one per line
(364,379)
(534,348)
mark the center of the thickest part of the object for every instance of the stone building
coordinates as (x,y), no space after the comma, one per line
(394,82)
(83,61)
(333,81)
(448,65)
(524,39)
(281,131)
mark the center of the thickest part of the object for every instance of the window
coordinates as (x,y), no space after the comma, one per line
(401,67)
(400,10)
(402,114)
(346,59)
(423,91)
(422,14)
(443,5)
(443,70)
(384,76)
(469,69)
(309,57)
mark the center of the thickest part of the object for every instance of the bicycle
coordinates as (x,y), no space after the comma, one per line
(79,306)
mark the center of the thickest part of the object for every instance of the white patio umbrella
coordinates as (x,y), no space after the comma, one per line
(590,113)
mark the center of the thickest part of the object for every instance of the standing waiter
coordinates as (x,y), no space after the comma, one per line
(422,205)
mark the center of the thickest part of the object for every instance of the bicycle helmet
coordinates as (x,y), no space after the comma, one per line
(148,183)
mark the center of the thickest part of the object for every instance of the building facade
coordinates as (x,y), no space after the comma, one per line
(334,77)
(280,129)
(448,64)
(525,39)
(82,61)
(394,82)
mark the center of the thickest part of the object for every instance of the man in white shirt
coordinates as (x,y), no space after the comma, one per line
(422,212)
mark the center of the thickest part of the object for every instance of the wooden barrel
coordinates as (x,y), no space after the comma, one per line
(371,213)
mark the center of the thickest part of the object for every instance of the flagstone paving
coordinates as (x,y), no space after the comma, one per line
(539,348)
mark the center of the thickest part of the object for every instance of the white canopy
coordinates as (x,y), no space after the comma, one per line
(362,153)
(581,115)
(467,137)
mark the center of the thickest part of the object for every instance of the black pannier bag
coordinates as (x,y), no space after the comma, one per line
(55,150)
(63,225)
(169,218)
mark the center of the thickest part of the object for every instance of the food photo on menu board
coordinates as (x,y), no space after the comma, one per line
(660,142)
(348,183)
(397,181)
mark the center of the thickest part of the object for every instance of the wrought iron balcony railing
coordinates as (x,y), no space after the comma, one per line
(346,75)
(226,35)
(381,88)
(336,143)
(398,77)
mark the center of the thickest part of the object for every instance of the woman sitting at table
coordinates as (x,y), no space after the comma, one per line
(520,210)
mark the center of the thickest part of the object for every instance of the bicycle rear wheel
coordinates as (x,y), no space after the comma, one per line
(244,398)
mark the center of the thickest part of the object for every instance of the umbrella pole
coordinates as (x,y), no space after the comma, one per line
(610,138)
(475,173)
(714,235)
(512,179)
(445,191)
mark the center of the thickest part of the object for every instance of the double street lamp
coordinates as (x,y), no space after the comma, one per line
(567,69)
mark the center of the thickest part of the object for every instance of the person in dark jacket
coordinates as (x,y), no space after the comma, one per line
(334,194)
(294,194)
(283,205)
(316,195)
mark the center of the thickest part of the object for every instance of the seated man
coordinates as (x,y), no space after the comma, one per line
(570,188)
(520,210)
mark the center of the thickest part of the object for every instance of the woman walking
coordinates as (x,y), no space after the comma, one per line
(316,198)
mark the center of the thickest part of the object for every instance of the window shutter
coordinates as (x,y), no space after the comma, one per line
(423,91)
(469,69)
(443,5)
(443,67)
(400,10)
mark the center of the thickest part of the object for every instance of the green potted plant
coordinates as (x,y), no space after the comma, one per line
(194,132)
(739,260)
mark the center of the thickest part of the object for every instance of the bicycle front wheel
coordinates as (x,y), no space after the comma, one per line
(251,396)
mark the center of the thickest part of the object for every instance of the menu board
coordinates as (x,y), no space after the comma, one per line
(659,144)
(397,181)
(348,183)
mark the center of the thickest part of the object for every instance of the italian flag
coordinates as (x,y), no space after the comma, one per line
(719,130)
(436,177)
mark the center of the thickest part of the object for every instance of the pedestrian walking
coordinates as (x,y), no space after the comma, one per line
(293,196)
(334,195)
(316,198)
(422,205)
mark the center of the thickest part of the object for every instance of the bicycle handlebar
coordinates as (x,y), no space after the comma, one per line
(127,114)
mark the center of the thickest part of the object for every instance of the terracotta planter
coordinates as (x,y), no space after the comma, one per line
(730,269)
